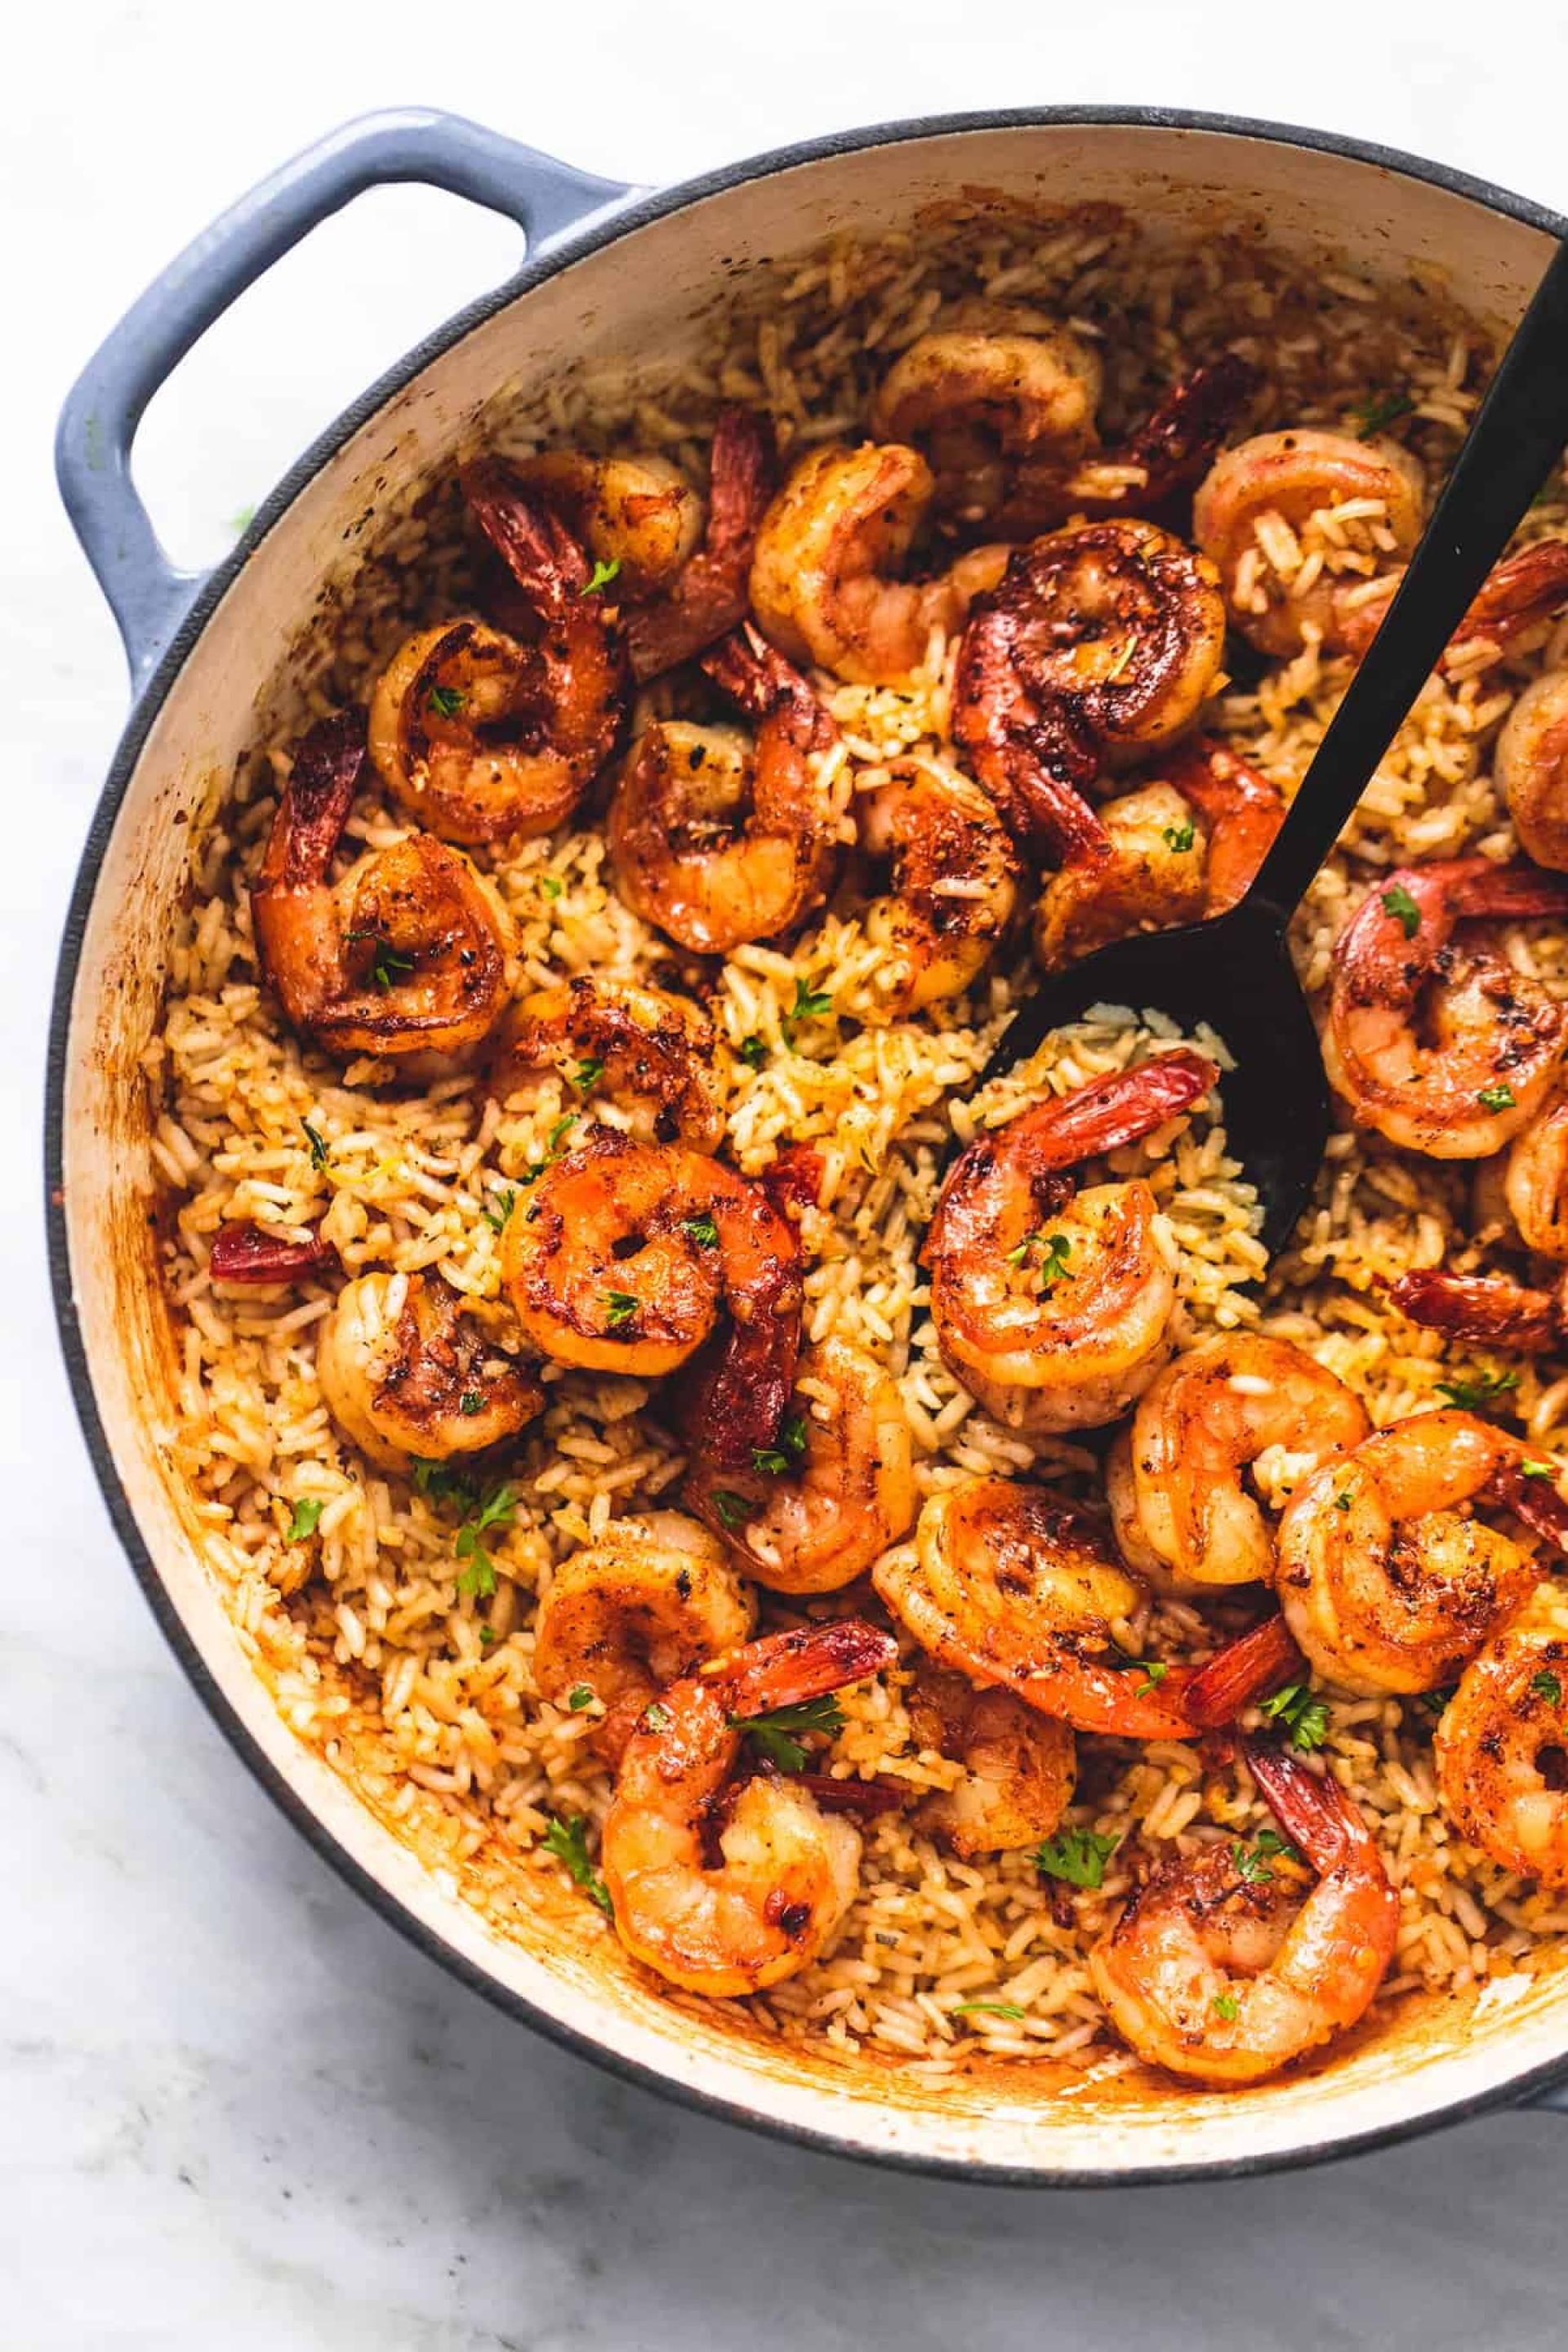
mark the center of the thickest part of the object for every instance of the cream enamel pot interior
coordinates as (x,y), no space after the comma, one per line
(612,271)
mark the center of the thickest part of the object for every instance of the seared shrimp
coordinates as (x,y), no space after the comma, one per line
(1018,1766)
(1532,764)
(657,1058)
(408,953)
(1442,1046)
(1491,1308)
(952,887)
(1052,1305)
(1257,498)
(708,597)
(626,1254)
(985,395)
(1100,646)
(651,1600)
(407,1367)
(1015,1587)
(722,1888)
(1388,1581)
(810,1512)
(1182,849)
(1501,1746)
(1208,1975)
(824,584)
(637,517)
(716,845)
(1517,595)
(1175,1480)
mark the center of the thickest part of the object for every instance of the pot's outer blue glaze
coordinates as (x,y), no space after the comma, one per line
(161,612)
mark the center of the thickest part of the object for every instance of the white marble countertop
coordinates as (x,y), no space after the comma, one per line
(236,2110)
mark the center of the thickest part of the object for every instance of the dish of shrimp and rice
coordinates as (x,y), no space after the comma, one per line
(947,1618)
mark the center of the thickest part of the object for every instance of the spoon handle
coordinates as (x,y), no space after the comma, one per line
(1512,448)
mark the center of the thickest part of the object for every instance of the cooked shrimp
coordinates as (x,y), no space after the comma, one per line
(657,1058)
(1015,1587)
(1100,645)
(1535,1181)
(637,517)
(824,584)
(409,953)
(953,885)
(626,1254)
(1532,766)
(408,1367)
(483,737)
(1442,1046)
(1517,595)
(1491,1308)
(1175,1480)
(1182,849)
(1259,498)
(1387,1578)
(648,1602)
(1501,1746)
(1018,1766)
(1208,1975)
(986,393)
(810,1512)
(725,1889)
(1052,1305)
(1160,459)
(716,845)
(707,597)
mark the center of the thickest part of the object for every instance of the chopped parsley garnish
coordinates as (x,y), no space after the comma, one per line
(1547,1686)
(1252,1861)
(987,2009)
(1341,1502)
(1399,903)
(447,700)
(307,1513)
(317,1143)
(619,1308)
(774,1460)
(655,1717)
(1433,1702)
(440,1481)
(1179,837)
(553,1148)
(489,1637)
(470,1403)
(1481,1389)
(734,1509)
(481,1509)
(578,1698)
(1226,2005)
(1497,1097)
(1057,1249)
(568,1841)
(1539,1469)
(1385,410)
(496,1211)
(1306,1718)
(603,575)
(704,1230)
(775,1734)
(386,963)
(1079,1857)
(551,885)
(752,1052)
(587,1074)
(1154,1671)
(810,1004)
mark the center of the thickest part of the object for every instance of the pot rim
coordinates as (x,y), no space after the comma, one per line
(560,253)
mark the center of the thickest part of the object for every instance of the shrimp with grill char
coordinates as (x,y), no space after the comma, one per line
(409,953)
(1388,1578)
(1175,1477)
(1020,1766)
(649,1601)
(656,1056)
(951,887)
(716,843)
(408,1367)
(706,598)
(1015,1588)
(1052,1302)
(1501,1747)
(1438,1044)
(1208,1974)
(1098,646)
(724,1887)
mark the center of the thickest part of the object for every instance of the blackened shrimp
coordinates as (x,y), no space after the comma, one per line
(409,1369)
(1492,1309)
(951,887)
(1532,766)
(1501,1746)
(1208,1974)
(1145,474)
(985,396)
(716,842)
(1098,646)
(410,953)
(1020,1766)
(1015,1587)
(1052,1303)
(724,1887)
(1438,1044)
(706,598)
(657,1058)
(637,517)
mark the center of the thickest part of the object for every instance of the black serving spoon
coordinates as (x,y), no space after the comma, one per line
(1234,972)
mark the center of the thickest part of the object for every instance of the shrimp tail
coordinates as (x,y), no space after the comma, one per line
(1488,1308)
(543,559)
(710,597)
(805,1663)
(316,802)
(1122,1106)
(1244,1671)
(243,1253)
(755,673)
(1314,1811)
(1538,1503)
(739,483)
(1502,892)
(1520,591)
(1242,808)
(864,1801)
(1178,440)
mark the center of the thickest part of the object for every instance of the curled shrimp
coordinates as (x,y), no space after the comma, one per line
(1015,1588)
(1019,1766)
(409,953)
(810,1512)
(637,517)
(1182,849)
(1501,1747)
(985,395)
(626,1257)
(408,1367)
(824,582)
(1387,1578)
(716,845)
(648,1602)
(721,1887)
(1099,646)
(953,885)
(656,1056)
(1532,766)
(1438,1045)
(1208,1975)
(706,598)
(1053,1305)
(1175,1477)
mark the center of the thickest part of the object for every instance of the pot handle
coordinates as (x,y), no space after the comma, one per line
(1554,2098)
(147,594)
